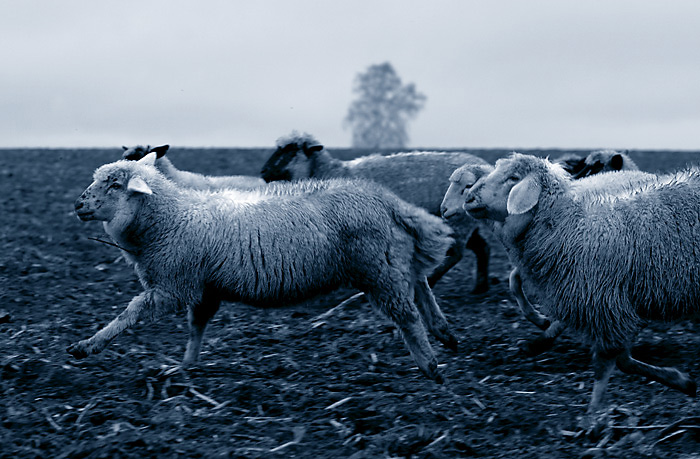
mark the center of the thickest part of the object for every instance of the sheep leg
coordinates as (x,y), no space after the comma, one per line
(453,256)
(481,249)
(668,376)
(407,319)
(528,310)
(148,303)
(603,366)
(432,315)
(198,317)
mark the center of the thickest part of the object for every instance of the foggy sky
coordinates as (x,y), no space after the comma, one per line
(510,74)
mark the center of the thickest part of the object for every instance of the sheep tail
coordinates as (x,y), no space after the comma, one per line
(432,237)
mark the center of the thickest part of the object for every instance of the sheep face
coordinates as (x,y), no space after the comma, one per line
(290,162)
(461,181)
(603,161)
(512,188)
(111,197)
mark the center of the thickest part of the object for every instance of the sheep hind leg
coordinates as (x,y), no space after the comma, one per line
(668,376)
(407,319)
(454,255)
(432,315)
(481,249)
(198,316)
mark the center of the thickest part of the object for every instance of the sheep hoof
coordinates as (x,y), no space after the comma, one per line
(433,373)
(480,288)
(449,341)
(691,388)
(77,350)
(537,346)
(594,425)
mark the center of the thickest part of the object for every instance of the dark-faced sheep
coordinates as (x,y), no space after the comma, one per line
(279,244)
(419,178)
(190,179)
(603,261)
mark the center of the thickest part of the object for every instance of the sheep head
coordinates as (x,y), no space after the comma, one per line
(461,181)
(116,190)
(605,161)
(139,151)
(291,160)
(513,188)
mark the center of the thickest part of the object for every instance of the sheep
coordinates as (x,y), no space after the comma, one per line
(603,161)
(461,180)
(604,261)
(597,162)
(420,178)
(278,244)
(190,179)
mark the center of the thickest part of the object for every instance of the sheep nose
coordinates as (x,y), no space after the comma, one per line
(78,204)
(469,199)
(443,209)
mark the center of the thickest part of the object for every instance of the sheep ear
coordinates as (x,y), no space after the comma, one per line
(149,159)
(616,162)
(125,148)
(468,178)
(160,151)
(523,196)
(138,185)
(313,149)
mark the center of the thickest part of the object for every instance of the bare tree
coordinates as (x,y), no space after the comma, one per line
(384,105)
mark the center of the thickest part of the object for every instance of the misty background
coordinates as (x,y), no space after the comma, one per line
(497,74)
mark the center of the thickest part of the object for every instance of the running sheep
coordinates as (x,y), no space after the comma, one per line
(604,261)
(596,163)
(419,178)
(275,245)
(190,179)
(461,181)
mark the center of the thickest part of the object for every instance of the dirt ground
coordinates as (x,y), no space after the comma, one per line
(277,382)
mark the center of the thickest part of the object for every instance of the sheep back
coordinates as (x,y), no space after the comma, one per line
(421,178)
(285,242)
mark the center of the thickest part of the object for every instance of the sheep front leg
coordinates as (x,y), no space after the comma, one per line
(668,376)
(533,315)
(545,340)
(198,317)
(603,366)
(145,304)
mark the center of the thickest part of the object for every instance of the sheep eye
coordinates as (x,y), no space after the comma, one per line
(114,186)
(513,178)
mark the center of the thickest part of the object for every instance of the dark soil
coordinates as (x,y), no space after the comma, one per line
(274,383)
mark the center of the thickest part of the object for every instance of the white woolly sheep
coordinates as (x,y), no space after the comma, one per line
(279,244)
(461,181)
(603,261)
(463,178)
(190,179)
(419,178)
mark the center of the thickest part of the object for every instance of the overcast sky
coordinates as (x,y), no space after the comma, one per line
(496,73)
